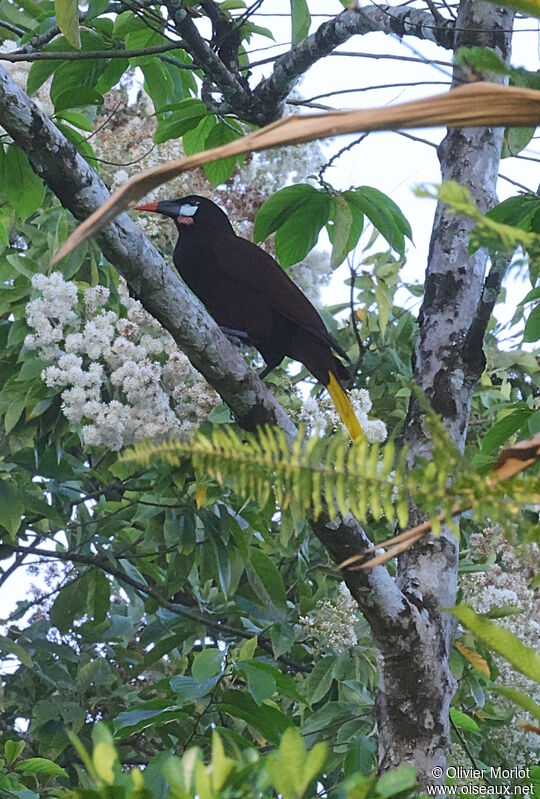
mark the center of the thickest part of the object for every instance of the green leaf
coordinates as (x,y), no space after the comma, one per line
(300,233)
(24,190)
(13,413)
(384,215)
(4,238)
(12,750)
(13,648)
(500,640)
(515,140)
(279,207)
(40,765)
(220,171)
(31,369)
(287,764)
(341,229)
(300,20)
(265,579)
(207,664)
(178,118)
(67,16)
(261,682)
(528,6)
(193,140)
(481,59)
(329,718)
(403,779)
(39,72)
(320,680)
(517,211)
(104,759)
(383,297)
(11,508)
(463,721)
(85,96)
(70,603)
(270,721)
(220,765)
(188,688)
(504,428)
(532,326)
(503,611)
(534,294)
(130,722)
(519,698)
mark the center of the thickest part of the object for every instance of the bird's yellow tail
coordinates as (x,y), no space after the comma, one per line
(344,407)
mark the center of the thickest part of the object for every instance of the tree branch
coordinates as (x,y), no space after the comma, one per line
(205,620)
(163,294)
(84,55)
(165,297)
(237,97)
(473,352)
(12,28)
(272,92)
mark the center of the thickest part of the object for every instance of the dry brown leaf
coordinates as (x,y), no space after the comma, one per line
(528,727)
(515,459)
(476,660)
(474,105)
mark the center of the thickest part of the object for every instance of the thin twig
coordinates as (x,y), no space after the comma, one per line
(85,55)
(337,155)
(379,86)
(149,590)
(9,26)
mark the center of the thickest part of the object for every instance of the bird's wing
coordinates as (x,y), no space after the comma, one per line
(250,267)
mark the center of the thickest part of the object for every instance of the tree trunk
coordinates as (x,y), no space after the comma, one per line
(416,684)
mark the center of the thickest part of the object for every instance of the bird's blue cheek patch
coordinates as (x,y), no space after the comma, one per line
(188,210)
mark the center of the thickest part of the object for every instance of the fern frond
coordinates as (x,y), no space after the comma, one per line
(332,475)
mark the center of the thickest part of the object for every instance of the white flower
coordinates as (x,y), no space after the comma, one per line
(120,176)
(375,430)
(331,625)
(95,297)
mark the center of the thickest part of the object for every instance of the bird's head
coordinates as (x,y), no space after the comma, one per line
(191,213)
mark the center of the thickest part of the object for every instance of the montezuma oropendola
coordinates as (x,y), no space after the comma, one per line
(251,297)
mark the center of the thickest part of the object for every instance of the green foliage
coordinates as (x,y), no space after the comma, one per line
(24,190)
(500,640)
(489,232)
(320,474)
(67,16)
(486,61)
(297,214)
(300,20)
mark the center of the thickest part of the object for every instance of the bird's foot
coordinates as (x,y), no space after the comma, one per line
(240,336)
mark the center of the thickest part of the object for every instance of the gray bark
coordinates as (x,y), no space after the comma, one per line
(266,102)
(416,685)
(160,290)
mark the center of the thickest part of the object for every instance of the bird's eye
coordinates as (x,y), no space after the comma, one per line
(188,210)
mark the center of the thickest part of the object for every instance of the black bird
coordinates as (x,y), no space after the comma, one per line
(251,297)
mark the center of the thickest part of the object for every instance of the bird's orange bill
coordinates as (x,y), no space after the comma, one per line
(148,207)
(476,104)
(344,407)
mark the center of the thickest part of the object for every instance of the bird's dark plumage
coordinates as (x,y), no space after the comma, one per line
(245,290)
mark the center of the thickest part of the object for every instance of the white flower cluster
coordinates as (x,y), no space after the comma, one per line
(331,626)
(508,582)
(320,414)
(123,378)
